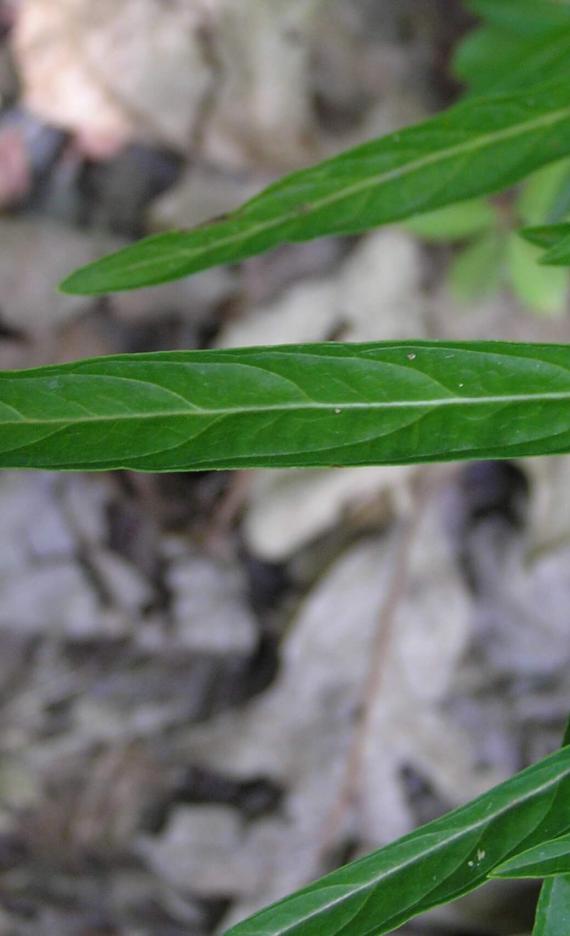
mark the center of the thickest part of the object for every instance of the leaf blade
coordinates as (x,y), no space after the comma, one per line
(531,61)
(553,911)
(289,406)
(454,222)
(555,238)
(478,147)
(435,864)
(523,17)
(548,859)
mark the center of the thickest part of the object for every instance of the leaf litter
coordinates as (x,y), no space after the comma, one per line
(212,691)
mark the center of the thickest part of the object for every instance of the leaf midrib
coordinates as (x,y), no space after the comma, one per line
(355,188)
(194,411)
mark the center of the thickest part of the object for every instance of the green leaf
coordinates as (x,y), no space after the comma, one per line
(559,254)
(556,238)
(480,52)
(289,406)
(454,222)
(523,17)
(433,865)
(540,196)
(476,148)
(553,911)
(509,66)
(538,287)
(478,270)
(523,42)
(547,235)
(548,859)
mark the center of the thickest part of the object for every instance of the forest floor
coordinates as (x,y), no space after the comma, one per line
(216,686)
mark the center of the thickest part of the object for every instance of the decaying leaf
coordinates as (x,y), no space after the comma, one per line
(113,71)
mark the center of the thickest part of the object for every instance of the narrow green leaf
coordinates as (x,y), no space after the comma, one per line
(547,235)
(433,865)
(454,222)
(554,237)
(548,859)
(553,911)
(559,254)
(478,147)
(289,406)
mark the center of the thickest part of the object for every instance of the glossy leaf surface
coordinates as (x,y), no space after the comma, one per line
(546,860)
(289,406)
(435,864)
(553,911)
(478,147)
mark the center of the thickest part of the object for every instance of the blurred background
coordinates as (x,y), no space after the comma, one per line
(215,687)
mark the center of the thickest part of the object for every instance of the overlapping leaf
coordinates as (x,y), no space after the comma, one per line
(435,864)
(548,859)
(553,911)
(555,238)
(478,147)
(289,406)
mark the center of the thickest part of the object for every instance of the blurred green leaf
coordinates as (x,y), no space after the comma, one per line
(480,51)
(524,18)
(478,270)
(454,222)
(555,238)
(509,66)
(559,254)
(541,289)
(521,42)
(546,235)
(541,194)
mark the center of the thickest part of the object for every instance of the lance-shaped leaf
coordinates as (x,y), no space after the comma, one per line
(555,238)
(435,864)
(478,147)
(548,859)
(289,406)
(553,911)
